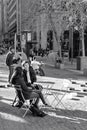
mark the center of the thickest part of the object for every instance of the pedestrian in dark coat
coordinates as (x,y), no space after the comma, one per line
(9,61)
(30,75)
(29,68)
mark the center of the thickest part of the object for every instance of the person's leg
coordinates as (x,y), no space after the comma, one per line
(42,98)
(35,95)
(10,72)
(39,93)
(20,101)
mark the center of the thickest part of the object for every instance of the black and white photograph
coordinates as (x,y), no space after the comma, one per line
(43,65)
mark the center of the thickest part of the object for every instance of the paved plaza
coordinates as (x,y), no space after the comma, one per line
(74,117)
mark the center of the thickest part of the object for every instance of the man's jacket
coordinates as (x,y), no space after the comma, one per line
(9,59)
(32,75)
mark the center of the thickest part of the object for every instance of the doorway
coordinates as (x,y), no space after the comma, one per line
(50,39)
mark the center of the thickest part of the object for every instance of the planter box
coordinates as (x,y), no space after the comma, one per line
(59,65)
(81,63)
(85,72)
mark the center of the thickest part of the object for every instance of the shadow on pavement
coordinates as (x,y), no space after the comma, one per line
(11,119)
(75,119)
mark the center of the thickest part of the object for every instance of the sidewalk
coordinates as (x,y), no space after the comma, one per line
(11,118)
(67,63)
(59,119)
(69,70)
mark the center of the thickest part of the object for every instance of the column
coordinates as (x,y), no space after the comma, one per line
(43,31)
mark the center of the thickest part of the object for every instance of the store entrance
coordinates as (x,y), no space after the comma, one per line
(50,39)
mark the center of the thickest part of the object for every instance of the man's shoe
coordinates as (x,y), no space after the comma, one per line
(42,114)
(47,105)
(9,85)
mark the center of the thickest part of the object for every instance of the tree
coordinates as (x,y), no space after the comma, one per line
(62,14)
(78,13)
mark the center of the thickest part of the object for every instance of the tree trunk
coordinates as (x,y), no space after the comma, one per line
(83,45)
(55,33)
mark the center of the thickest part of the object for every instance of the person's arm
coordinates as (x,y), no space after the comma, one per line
(12,78)
(24,86)
(32,74)
(28,76)
(7,59)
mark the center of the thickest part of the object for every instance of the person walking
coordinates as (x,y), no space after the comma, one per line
(9,62)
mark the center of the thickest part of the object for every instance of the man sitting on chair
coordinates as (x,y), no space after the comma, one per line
(28,92)
(30,76)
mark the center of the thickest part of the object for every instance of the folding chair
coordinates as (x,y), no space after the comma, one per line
(19,94)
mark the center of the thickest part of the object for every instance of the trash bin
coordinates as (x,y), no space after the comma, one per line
(81,62)
(78,63)
(57,64)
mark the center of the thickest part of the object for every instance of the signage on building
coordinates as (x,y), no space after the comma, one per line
(23,40)
(28,36)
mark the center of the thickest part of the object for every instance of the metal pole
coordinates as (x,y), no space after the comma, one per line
(17,14)
(20,15)
(20,24)
(2,17)
(15,42)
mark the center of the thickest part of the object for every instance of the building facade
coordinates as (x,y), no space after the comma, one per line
(0,22)
(30,16)
(12,19)
(34,18)
(3,21)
